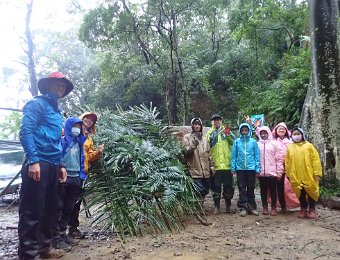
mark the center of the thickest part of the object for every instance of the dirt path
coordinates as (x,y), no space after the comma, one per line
(229,237)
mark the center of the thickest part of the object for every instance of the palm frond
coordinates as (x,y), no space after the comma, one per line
(139,180)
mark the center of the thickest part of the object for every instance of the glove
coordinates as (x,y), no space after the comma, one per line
(227,130)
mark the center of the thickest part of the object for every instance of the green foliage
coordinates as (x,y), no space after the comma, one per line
(10,125)
(282,100)
(139,181)
(272,68)
(236,57)
(326,192)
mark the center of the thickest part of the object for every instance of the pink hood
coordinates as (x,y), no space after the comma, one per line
(264,128)
(282,142)
(274,132)
(271,155)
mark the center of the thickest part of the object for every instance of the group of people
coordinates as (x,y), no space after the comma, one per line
(287,166)
(57,159)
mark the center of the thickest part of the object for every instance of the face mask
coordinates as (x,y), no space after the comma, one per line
(297,138)
(75,131)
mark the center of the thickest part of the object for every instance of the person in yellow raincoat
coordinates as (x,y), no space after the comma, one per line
(303,168)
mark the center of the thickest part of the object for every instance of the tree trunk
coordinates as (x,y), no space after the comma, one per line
(170,100)
(30,52)
(321,110)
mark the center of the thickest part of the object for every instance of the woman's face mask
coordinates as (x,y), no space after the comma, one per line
(75,131)
(297,138)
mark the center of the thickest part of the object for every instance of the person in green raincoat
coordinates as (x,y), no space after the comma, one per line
(221,139)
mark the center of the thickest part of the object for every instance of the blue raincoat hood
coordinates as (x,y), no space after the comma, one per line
(245,155)
(69,123)
(249,128)
(68,140)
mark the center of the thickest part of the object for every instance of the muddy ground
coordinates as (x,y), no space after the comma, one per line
(229,237)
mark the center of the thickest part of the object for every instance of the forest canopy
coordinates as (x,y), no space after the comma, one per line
(194,58)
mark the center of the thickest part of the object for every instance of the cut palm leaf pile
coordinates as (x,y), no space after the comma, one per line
(140,181)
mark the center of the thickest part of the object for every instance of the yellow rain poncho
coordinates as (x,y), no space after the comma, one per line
(302,164)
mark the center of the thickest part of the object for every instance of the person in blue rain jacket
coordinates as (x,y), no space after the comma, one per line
(40,136)
(245,162)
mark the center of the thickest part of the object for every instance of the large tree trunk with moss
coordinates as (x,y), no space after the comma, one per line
(321,112)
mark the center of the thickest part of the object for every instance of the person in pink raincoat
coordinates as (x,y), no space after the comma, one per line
(272,168)
(285,193)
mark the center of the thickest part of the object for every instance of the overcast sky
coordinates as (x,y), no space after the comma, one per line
(47,14)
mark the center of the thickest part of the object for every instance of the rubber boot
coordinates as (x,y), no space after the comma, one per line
(265,210)
(302,213)
(311,214)
(217,206)
(273,211)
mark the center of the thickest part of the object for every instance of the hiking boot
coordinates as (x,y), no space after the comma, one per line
(217,210)
(52,253)
(75,233)
(228,207)
(302,213)
(265,211)
(254,212)
(273,212)
(243,213)
(70,240)
(61,244)
(311,214)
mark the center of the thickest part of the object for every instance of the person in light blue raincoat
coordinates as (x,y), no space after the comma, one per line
(70,191)
(245,162)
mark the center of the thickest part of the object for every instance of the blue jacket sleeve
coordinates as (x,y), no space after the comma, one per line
(233,157)
(62,161)
(257,157)
(82,173)
(31,112)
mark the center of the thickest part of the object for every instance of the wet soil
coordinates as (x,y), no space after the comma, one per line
(229,237)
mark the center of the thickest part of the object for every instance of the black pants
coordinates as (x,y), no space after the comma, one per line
(268,184)
(246,186)
(201,186)
(225,178)
(74,217)
(303,201)
(70,192)
(37,210)
(281,192)
(73,221)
